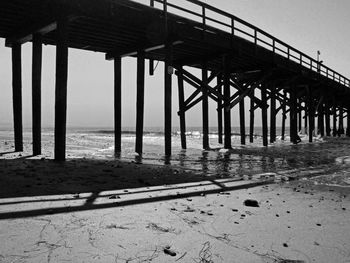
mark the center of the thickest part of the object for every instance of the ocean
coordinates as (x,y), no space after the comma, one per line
(325,160)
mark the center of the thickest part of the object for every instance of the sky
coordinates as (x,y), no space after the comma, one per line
(306,25)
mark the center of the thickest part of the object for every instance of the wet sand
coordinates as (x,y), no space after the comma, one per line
(98,210)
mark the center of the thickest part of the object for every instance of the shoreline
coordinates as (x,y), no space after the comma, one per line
(122,210)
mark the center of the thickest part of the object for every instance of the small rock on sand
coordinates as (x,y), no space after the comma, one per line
(251,203)
(170,252)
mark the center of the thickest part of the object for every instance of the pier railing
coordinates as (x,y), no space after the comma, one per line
(212,17)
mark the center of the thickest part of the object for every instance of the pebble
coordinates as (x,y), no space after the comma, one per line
(251,203)
(169,252)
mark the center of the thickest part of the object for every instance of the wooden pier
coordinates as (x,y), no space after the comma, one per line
(239,63)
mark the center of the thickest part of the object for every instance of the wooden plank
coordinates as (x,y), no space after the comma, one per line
(17,96)
(61,89)
(140,101)
(252,113)
(205,107)
(36,93)
(182,111)
(219,109)
(117,105)
(227,109)
(168,71)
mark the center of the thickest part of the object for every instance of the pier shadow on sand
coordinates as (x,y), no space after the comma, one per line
(24,180)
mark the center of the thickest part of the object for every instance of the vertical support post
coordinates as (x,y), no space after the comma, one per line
(328,120)
(117,105)
(305,117)
(264,116)
(36,93)
(140,101)
(311,109)
(168,71)
(227,109)
(205,107)
(182,109)
(320,119)
(348,124)
(242,120)
(17,95)
(341,121)
(300,125)
(61,89)
(293,116)
(273,114)
(252,115)
(284,115)
(151,61)
(219,109)
(334,133)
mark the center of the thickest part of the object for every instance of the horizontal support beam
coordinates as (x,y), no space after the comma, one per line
(134,51)
(25,33)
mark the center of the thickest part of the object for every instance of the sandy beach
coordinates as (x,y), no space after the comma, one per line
(92,209)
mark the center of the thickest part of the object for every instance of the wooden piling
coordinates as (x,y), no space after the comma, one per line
(61,89)
(227,109)
(205,107)
(36,93)
(273,114)
(348,124)
(320,120)
(305,118)
(264,117)
(219,110)
(334,132)
(341,121)
(293,116)
(140,101)
(17,95)
(328,119)
(182,109)
(168,71)
(311,114)
(117,105)
(251,119)
(284,115)
(242,120)
(300,125)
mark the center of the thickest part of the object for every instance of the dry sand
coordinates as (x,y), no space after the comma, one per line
(88,210)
